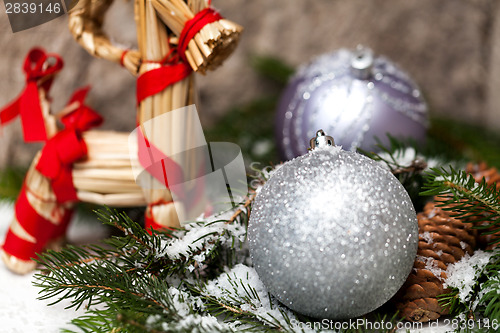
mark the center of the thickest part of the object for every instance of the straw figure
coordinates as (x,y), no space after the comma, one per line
(175,39)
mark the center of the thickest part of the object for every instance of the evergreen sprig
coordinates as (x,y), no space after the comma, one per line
(489,298)
(478,203)
(240,302)
(464,198)
(482,299)
(129,280)
(97,274)
(138,287)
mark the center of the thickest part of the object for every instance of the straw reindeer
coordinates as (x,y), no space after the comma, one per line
(175,39)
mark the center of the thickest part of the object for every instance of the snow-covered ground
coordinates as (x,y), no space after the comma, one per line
(20,311)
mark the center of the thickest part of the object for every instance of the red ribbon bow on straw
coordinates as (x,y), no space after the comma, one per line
(67,147)
(154,81)
(193,26)
(40,71)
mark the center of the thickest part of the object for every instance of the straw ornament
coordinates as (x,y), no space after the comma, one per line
(175,39)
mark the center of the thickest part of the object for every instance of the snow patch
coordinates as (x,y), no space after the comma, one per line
(464,273)
(20,310)
(241,284)
(427,237)
(402,157)
(432,266)
(201,237)
(334,150)
(432,213)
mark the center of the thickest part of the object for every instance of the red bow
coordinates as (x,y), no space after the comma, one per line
(39,72)
(193,26)
(67,147)
(172,70)
(155,81)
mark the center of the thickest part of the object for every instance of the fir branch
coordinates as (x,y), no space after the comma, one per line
(245,208)
(233,295)
(136,271)
(95,284)
(476,297)
(467,200)
(89,258)
(487,300)
(95,321)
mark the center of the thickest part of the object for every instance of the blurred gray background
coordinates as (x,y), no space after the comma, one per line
(450,47)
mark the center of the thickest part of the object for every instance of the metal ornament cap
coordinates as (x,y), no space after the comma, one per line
(362,63)
(321,140)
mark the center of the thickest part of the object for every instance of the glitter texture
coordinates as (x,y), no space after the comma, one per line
(332,234)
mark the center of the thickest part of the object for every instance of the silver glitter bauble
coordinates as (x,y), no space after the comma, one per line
(355,95)
(332,234)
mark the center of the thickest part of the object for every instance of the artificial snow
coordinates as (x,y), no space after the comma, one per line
(20,311)
(464,273)
(432,266)
(202,236)
(427,237)
(242,287)
(406,156)
(181,302)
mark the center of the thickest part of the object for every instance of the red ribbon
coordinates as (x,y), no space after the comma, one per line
(156,80)
(67,147)
(34,224)
(39,72)
(193,26)
(158,164)
(149,219)
(172,71)
(20,248)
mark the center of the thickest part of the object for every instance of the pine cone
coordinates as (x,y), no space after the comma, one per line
(443,240)
(492,178)
(482,170)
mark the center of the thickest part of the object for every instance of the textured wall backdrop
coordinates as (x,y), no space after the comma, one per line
(450,47)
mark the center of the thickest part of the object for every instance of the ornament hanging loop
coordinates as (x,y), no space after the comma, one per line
(321,140)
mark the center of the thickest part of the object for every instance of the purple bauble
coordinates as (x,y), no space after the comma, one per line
(355,97)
